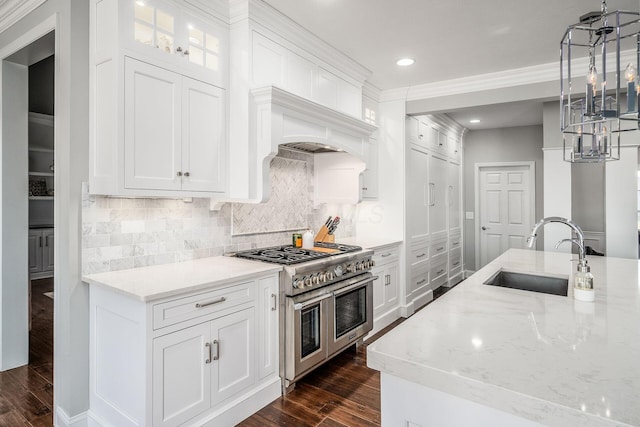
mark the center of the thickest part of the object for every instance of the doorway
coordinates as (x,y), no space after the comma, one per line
(505,202)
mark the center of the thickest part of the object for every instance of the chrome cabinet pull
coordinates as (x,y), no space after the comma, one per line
(386,255)
(420,282)
(187,174)
(208,303)
(439,272)
(208,347)
(441,248)
(40,240)
(457,263)
(217,355)
(421,255)
(178,173)
(432,194)
(274,307)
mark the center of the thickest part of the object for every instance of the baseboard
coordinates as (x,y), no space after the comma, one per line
(244,406)
(64,420)
(468,273)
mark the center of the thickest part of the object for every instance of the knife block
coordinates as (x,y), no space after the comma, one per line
(324,236)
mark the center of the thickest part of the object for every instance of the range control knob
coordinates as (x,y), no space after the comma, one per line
(322,277)
(330,275)
(296,283)
(315,279)
(338,271)
(307,281)
(351,268)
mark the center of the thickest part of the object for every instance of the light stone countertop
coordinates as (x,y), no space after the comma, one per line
(547,358)
(373,243)
(166,280)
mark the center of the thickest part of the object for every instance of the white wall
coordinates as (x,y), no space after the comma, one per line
(15,281)
(516,144)
(621,205)
(71,343)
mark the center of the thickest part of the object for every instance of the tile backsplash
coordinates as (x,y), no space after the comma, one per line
(121,233)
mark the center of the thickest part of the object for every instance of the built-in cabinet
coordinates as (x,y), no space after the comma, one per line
(195,358)
(41,253)
(386,287)
(158,109)
(433,207)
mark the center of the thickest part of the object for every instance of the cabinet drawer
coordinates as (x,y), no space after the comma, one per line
(419,279)
(438,267)
(438,247)
(385,255)
(455,259)
(182,309)
(455,241)
(419,255)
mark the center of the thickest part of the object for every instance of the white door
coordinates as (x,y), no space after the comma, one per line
(181,375)
(203,137)
(417,194)
(505,209)
(233,364)
(152,127)
(438,189)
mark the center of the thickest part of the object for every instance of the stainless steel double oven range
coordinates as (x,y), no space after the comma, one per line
(326,301)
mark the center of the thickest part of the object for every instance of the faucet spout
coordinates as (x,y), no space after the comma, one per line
(578,241)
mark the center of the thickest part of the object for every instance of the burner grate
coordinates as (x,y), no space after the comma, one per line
(288,255)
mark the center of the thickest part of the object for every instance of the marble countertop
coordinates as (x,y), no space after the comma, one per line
(160,281)
(370,242)
(547,358)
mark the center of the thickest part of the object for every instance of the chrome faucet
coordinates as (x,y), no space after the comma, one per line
(579,241)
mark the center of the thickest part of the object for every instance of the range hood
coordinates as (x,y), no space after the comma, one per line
(278,117)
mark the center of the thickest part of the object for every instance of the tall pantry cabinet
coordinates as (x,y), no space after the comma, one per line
(433,207)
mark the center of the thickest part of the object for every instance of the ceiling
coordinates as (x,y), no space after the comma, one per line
(448,39)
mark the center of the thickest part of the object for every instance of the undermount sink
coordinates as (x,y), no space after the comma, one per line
(530,282)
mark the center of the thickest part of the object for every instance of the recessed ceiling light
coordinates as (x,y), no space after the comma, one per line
(474,121)
(405,62)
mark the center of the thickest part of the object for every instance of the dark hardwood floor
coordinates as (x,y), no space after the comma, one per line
(343,392)
(26,393)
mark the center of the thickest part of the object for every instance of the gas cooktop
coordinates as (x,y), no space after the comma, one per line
(288,254)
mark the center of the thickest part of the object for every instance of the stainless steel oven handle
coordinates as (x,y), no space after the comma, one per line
(301,305)
(358,284)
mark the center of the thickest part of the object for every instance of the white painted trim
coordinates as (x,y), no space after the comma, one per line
(541,73)
(532,190)
(11,11)
(64,420)
(370,91)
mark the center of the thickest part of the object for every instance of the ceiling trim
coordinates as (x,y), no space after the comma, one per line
(502,79)
(11,11)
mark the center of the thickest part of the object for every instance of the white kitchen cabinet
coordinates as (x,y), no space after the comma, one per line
(370,174)
(386,287)
(193,358)
(157,100)
(331,172)
(41,257)
(174,131)
(433,236)
(438,197)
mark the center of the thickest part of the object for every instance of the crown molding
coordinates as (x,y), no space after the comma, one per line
(502,79)
(265,16)
(371,91)
(11,11)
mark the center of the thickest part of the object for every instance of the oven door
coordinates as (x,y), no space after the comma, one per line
(306,334)
(351,312)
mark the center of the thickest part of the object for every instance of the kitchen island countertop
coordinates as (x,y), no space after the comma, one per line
(166,280)
(544,358)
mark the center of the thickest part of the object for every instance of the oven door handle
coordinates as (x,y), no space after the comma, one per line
(301,305)
(354,286)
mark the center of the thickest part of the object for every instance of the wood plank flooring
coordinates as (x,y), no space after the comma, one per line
(343,392)
(26,393)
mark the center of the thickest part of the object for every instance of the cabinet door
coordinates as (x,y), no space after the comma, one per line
(233,350)
(35,251)
(370,174)
(151,30)
(152,121)
(391,285)
(438,172)
(417,194)
(203,137)
(47,250)
(454,197)
(181,375)
(378,289)
(268,328)
(269,61)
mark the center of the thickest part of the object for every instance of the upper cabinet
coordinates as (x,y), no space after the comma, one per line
(158,97)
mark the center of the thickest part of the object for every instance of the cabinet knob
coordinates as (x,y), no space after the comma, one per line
(187,174)
(179,173)
(179,49)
